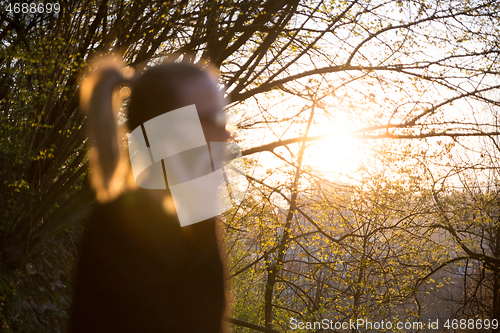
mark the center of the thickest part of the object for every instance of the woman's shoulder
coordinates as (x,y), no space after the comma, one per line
(137,203)
(149,216)
(140,212)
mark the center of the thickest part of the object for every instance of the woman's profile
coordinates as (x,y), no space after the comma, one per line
(138,269)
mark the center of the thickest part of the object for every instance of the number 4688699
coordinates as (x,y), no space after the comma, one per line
(33,8)
(471,324)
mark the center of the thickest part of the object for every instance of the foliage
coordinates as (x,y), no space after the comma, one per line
(36,297)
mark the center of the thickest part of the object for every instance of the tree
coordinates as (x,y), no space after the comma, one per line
(407,94)
(466,209)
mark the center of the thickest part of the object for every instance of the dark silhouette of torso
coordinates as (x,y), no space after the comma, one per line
(139,271)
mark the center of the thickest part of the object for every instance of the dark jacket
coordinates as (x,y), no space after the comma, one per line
(139,271)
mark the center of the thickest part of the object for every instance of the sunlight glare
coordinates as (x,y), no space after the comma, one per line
(338,154)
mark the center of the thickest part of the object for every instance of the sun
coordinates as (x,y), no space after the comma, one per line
(339,154)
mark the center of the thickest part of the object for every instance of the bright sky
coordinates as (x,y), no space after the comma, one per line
(363,103)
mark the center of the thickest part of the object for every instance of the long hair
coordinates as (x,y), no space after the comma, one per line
(100,101)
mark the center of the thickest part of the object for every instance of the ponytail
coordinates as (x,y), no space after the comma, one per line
(100,103)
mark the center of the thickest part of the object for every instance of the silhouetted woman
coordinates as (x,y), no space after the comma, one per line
(138,269)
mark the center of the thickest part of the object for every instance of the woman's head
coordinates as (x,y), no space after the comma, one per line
(170,86)
(158,90)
